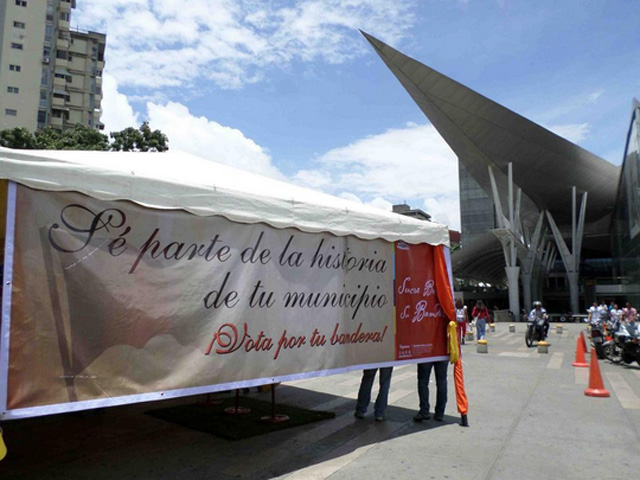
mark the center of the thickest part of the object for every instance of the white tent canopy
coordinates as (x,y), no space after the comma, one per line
(177,180)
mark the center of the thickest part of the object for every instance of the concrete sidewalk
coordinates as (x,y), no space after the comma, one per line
(528,413)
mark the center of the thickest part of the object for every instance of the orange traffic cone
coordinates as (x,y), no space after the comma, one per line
(580,360)
(596,387)
(584,342)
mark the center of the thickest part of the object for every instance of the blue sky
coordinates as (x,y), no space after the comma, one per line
(292,90)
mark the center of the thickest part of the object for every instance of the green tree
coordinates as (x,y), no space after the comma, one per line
(139,140)
(18,137)
(79,137)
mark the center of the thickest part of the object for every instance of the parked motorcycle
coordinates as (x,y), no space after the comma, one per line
(625,345)
(535,330)
(597,340)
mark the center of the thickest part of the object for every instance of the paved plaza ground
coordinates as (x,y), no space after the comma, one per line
(528,413)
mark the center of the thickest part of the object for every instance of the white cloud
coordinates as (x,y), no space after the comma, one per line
(594,96)
(412,164)
(314,179)
(208,139)
(575,132)
(377,202)
(165,43)
(380,203)
(117,113)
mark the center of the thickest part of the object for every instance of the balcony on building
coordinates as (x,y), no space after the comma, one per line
(63,41)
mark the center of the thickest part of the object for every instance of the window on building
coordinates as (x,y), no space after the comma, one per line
(17,46)
(62,54)
(66,76)
(13,89)
(19,24)
(65,16)
(44,101)
(42,116)
(21,3)
(44,80)
(15,68)
(48,33)
(10,112)
(55,113)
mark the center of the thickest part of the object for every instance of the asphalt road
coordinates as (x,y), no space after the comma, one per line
(529,419)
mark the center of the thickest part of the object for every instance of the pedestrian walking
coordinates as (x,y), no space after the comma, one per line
(480,315)
(462,318)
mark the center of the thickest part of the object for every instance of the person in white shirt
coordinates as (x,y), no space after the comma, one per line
(615,317)
(539,312)
(462,318)
(594,317)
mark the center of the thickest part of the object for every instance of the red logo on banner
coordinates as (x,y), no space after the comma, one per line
(420,322)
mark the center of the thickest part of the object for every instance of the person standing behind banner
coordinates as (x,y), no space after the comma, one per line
(424,372)
(481,316)
(462,317)
(364,393)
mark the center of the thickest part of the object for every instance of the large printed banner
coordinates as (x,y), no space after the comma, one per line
(115,303)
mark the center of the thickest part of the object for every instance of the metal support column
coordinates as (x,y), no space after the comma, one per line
(509,246)
(529,262)
(571,259)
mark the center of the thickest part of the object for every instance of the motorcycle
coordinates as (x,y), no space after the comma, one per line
(625,345)
(535,330)
(597,339)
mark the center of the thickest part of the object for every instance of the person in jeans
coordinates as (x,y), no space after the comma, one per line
(481,316)
(424,372)
(364,393)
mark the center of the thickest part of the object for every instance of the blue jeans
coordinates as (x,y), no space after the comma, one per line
(481,325)
(364,394)
(424,372)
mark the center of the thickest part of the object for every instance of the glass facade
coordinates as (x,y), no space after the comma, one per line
(477,215)
(626,218)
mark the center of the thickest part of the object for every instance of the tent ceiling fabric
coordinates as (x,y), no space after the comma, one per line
(483,133)
(176,180)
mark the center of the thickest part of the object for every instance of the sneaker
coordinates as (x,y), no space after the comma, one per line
(380,418)
(358,415)
(420,417)
(439,418)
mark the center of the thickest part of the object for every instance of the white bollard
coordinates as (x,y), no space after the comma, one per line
(543,347)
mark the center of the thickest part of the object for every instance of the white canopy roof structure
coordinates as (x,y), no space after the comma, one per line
(180,181)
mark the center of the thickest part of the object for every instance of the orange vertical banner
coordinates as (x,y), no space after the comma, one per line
(445,298)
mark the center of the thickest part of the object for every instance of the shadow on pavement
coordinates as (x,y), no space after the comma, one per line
(122,442)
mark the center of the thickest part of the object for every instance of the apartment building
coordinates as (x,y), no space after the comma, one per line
(50,74)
